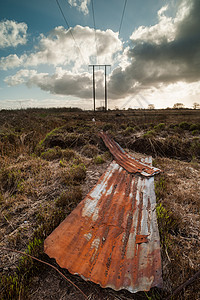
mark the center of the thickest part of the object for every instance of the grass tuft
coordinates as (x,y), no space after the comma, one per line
(98,160)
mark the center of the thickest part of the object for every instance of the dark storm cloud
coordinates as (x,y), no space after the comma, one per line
(165,62)
(78,85)
(67,83)
(161,54)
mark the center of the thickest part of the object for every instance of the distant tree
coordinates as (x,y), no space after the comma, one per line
(101,108)
(151,106)
(178,105)
(196,105)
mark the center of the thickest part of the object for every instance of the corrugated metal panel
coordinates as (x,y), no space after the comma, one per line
(129,163)
(112,237)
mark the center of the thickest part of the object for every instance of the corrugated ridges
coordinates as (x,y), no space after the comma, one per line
(129,163)
(99,239)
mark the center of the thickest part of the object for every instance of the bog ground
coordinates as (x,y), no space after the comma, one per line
(51,158)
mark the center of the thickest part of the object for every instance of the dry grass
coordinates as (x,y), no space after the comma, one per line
(178,192)
(49,160)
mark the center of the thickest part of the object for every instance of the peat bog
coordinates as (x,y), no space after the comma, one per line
(49,161)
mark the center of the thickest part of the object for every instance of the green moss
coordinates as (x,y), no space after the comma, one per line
(75,174)
(195,132)
(52,154)
(160,126)
(194,127)
(39,148)
(149,134)
(15,285)
(128,131)
(78,172)
(68,154)
(51,133)
(185,125)
(57,152)
(98,160)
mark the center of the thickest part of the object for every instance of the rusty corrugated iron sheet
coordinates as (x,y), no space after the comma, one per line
(129,163)
(111,237)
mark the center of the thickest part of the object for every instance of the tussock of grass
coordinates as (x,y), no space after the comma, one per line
(149,134)
(75,174)
(178,207)
(185,125)
(43,159)
(128,131)
(52,154)
(160,126)
(57,152)
(70,197)
(10,180)
(89,150)
(108,126)
(99,160)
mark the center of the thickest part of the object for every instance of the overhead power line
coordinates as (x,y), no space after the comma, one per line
(70,31)
(94,29)
(120,26)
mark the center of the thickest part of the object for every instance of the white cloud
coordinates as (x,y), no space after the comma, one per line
(81,5)
(12,33)
(20,77)
(161,56)
(59,48)
(11,61)
(163,31)
(62,82)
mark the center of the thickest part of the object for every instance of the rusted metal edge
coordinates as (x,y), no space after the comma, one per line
(111,237)
(129,163)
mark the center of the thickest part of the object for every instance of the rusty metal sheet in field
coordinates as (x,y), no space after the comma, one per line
(129,163)
(111,237)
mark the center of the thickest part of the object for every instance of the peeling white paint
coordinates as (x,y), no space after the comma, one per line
(88,236)
(89,207)
(95,214)
(95,243)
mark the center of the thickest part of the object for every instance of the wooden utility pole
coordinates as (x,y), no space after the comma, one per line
(106,95)
(94,86)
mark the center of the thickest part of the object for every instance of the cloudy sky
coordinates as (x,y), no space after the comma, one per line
(154,52)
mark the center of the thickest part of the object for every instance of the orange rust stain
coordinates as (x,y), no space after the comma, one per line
(126,161)
(141,238)
(111,237)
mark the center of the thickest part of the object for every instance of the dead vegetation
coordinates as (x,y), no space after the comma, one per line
(178,195)
(50,159)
